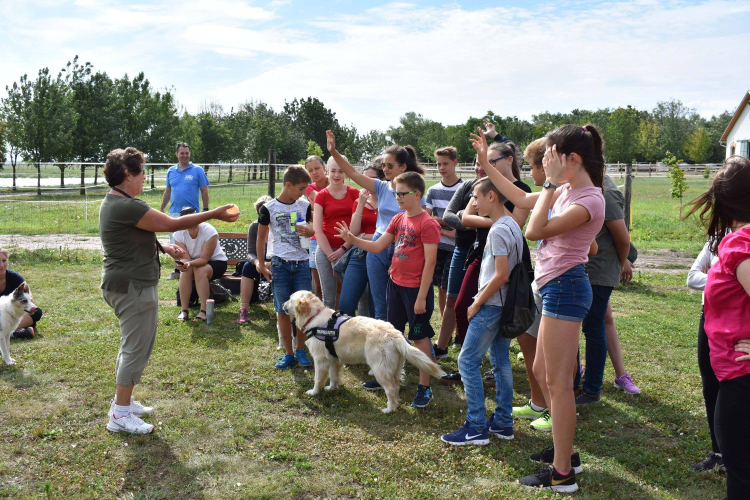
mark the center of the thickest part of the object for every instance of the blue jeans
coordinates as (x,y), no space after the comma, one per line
(288,277)
(482,335)
(354,284)
(457,272)
(377,272)
(568,296)
(596,341)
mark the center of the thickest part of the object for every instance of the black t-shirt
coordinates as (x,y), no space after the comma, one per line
(12,281)
(478,249)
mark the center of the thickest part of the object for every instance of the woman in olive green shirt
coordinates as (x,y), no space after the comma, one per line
(130,275)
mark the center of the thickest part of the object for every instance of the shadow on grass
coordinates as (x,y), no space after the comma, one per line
(15,375)
(153,471)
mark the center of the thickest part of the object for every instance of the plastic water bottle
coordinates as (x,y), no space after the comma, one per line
(209,311)
(304,241)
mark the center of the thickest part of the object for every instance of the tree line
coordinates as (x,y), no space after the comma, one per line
(80,115)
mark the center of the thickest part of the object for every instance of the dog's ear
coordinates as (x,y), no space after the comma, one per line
(303,307)
(25,287)
(19,291)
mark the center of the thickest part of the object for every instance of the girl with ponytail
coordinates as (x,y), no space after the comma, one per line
(568,213)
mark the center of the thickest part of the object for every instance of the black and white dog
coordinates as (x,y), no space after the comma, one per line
(12,309)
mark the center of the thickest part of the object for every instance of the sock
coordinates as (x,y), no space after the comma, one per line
(121,411)
(535,407)
(718,455)
(560,473)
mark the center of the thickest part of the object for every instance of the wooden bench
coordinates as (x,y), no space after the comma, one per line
(235,247)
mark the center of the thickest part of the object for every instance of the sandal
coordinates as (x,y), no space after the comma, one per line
(183,316)
(198,318)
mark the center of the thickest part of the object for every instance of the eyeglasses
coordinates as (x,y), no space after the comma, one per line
(400,194)
(495,160)
(389,166)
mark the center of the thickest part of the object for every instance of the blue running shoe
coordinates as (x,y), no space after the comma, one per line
(423,397)
(372,385)
(301,356)
(466,435)
(501,432)
(286,362)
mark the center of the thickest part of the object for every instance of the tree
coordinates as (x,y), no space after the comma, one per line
(12,112)
(311,118)
(373,144)
(3,141)
(188,130)
(313,149)
(214,135)
(422,133)
(622,137)
(698,145)
(715,127)
(675,121)
(648,139)
(677,176)
(49,119)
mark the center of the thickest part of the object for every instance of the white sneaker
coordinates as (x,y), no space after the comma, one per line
(138,409)
(129,423)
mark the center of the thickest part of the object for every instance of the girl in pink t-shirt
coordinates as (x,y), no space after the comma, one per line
(725,207)
(568,214)
(316,167)
(333,204)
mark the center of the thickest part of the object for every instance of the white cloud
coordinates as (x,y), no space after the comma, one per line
(446,62)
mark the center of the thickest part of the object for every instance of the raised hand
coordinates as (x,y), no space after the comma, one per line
(479,142)
(554,165)
(490,129)
(330,141)
(344,232)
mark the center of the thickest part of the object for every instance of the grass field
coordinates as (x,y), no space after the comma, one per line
(230,426)
(656,223)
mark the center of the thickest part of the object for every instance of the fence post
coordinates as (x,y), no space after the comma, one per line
(230,174)
(96,174)
(219,180)
(82,192)
(628,196)
(272,173)
(152,176)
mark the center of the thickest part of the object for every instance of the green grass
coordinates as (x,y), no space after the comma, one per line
(656,222)
(230,426)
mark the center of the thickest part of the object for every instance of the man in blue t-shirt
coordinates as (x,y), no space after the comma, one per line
(184,182)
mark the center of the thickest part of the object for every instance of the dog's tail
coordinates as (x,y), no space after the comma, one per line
(420,359)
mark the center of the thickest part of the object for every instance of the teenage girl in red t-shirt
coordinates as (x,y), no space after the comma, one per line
(333,204)
(316,167)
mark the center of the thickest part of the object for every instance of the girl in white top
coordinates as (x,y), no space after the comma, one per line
(206,261)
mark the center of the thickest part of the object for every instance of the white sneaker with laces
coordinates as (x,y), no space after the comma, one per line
(129,423)
(135,407)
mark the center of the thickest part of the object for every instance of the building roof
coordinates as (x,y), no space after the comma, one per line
(736,116)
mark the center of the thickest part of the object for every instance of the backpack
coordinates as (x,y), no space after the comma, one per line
(218,293)
(519,308)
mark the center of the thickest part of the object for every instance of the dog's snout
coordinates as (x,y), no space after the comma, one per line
(32,310)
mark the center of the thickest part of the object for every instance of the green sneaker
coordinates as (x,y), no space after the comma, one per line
(526,411)
(543,423)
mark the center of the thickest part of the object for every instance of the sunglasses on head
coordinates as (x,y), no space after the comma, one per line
(400,194)
(495,160)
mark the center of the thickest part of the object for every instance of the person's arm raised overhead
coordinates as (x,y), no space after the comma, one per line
(516,195)
(361,179)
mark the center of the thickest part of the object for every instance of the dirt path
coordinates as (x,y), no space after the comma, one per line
(666,261)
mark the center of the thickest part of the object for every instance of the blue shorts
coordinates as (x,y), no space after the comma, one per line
(313,248)
(567,296)
(288,277)
(457,272)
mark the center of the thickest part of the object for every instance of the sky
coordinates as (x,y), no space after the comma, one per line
(373,61)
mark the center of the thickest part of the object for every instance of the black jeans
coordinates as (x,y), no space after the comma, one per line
(709,381)
(733,432)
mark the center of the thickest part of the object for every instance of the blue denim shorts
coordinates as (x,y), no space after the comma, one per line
(457,272)
(313,248)
(567,296)
(288,277)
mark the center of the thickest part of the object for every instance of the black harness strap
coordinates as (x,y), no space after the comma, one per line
(330,332)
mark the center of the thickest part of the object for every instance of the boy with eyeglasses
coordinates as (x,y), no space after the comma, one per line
(409,293)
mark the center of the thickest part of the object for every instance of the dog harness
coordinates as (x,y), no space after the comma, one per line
(330,332)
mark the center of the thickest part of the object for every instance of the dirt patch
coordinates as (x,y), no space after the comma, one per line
(666,261)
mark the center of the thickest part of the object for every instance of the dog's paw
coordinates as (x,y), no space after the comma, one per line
(330,387)
(388,410)
(10,361)
(312,392)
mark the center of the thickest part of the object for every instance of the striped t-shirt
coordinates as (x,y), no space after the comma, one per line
(438,197)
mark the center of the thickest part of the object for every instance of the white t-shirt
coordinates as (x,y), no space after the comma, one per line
(195,246)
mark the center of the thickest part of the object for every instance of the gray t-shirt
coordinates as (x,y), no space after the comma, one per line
(281,219)
(604,267)
(504,238)
(129,252)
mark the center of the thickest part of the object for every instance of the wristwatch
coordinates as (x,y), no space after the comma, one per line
(548,184)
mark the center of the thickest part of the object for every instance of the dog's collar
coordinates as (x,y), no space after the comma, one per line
(311,318)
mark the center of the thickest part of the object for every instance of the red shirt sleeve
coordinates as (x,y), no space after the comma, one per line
(734,250)
(392,225)
(430,231)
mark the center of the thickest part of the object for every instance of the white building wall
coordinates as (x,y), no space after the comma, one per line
(740,131)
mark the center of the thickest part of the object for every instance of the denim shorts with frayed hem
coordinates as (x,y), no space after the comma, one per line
(288,277)
(568,296)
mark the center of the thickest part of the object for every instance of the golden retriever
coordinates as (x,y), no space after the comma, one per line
(361,340)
